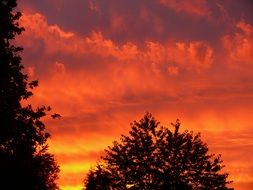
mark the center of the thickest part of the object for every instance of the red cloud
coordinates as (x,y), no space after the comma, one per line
(239,46)
(195,7)
(195,55)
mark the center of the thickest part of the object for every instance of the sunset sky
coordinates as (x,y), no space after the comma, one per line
(103,63)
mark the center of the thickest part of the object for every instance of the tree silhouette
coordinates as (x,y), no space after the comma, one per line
(98,179)
(24,160)
(154,157)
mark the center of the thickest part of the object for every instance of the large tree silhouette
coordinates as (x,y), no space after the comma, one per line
(154,157)
(24,160)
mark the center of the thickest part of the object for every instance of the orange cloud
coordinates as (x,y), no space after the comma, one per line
(198,55)
(100,86)
(37,24)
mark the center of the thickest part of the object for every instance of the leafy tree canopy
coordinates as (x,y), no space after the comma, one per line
(24,160)
(154,157)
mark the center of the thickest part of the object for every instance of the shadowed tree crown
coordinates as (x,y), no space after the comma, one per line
(24,160)
(154,157)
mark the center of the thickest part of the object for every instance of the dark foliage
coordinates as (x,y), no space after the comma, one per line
(24,160)
(153,157)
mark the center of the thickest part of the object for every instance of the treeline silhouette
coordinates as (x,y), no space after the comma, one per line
(151,157)
(25,163)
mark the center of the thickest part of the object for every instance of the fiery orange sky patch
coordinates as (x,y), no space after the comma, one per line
(102,64)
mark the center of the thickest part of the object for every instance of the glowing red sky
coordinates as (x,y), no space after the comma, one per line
(102,64)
